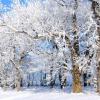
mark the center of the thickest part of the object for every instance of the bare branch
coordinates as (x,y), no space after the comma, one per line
(61,4)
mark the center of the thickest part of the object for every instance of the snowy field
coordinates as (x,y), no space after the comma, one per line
(46,95)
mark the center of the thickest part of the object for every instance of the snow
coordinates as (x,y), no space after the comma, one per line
(35,94)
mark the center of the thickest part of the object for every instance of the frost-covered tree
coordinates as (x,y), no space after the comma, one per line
(44,40)
(30,26)
(73,42)
(96,16)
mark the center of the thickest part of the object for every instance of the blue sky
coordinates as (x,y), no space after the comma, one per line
(7,4)
(6,7)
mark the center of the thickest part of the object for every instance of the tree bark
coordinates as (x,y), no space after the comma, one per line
(18,80)
(77,87)
(17,76)
(96,17)
(98,79)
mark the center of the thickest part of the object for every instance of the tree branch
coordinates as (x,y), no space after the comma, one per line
(61,4)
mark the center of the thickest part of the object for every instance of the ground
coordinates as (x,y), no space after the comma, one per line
(35,94)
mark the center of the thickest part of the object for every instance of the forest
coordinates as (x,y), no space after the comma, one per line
(50,44)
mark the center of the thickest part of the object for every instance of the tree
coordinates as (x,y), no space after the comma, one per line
(77,86)
(60,33)
(30,27)
(96,17)
(73,44)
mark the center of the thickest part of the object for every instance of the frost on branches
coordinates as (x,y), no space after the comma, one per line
(50,43)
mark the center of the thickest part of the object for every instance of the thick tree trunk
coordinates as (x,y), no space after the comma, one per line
(77,87)
(96,17)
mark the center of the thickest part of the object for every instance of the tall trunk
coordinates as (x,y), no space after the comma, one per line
(16,64)
(77,87)
(17,76)
(96,12)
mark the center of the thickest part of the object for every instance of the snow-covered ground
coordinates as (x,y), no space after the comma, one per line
(35,94)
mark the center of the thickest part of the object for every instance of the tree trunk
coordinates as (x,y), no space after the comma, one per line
(98,79)
(96,17)
(74,48)
(17,80)
(52,80)
(62,77)
(17,76)
(77,87)
(98,71)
